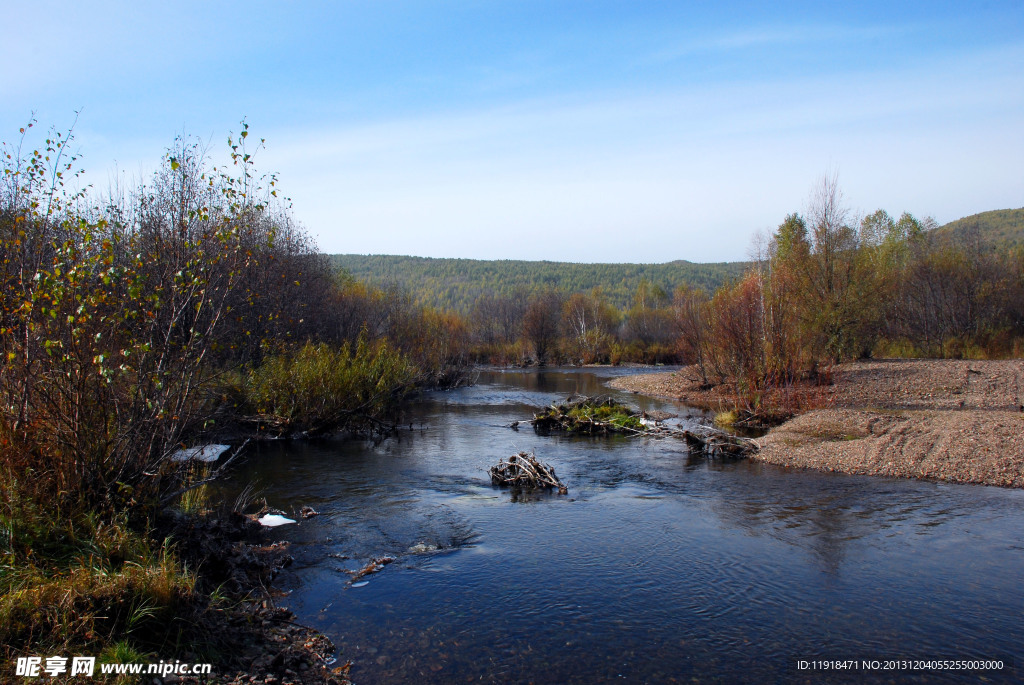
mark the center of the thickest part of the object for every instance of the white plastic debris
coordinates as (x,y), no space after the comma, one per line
(274,520)
(361,583)
(201,453)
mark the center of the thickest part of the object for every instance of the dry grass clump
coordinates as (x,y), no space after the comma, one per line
(319,387)
(84,606)
(87,584)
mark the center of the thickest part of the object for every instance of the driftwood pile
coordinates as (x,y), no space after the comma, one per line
(524,471)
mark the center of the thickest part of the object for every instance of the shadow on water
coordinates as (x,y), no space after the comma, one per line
(658,566)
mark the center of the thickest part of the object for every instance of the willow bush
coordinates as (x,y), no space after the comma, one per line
(319,387)
(112,311)
(110,314)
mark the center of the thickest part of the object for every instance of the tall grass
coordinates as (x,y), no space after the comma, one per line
(319,388)
(72,579)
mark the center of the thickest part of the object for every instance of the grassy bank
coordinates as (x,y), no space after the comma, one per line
(73,581)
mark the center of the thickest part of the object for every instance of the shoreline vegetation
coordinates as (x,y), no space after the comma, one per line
(135,327)
(143,323)
(959,421)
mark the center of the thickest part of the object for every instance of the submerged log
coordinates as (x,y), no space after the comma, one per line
(523,470)
(716,443)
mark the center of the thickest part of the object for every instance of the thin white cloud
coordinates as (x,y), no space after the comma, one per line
(650,172)
(783,35)
(646,178)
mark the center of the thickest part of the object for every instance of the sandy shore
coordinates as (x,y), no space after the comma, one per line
(952,420)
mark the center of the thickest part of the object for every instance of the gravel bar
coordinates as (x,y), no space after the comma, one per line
(952,420)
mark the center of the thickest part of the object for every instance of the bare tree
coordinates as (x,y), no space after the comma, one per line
(691,310)
(831,236)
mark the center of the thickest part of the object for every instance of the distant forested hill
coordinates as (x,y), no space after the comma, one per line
(1000,227)
(455,284)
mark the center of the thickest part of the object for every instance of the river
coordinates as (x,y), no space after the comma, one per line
(658,566)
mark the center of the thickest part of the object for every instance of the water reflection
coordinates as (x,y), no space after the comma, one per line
(658,565)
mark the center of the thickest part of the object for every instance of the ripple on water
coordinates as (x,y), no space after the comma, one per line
(658,564)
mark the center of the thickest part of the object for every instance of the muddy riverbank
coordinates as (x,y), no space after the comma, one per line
(258,641)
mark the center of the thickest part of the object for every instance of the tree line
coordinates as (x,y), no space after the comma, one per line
(828,288)
(456,284)
(825,286)
(1003,228)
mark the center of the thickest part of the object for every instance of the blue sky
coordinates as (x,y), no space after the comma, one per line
(579,131)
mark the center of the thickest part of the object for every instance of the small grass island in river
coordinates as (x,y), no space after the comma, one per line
(952,420)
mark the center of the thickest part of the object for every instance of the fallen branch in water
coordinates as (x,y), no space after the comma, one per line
(372,567)
(712,441)
(209,479)
(523,470)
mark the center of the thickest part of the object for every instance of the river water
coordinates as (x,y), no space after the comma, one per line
(658,566)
